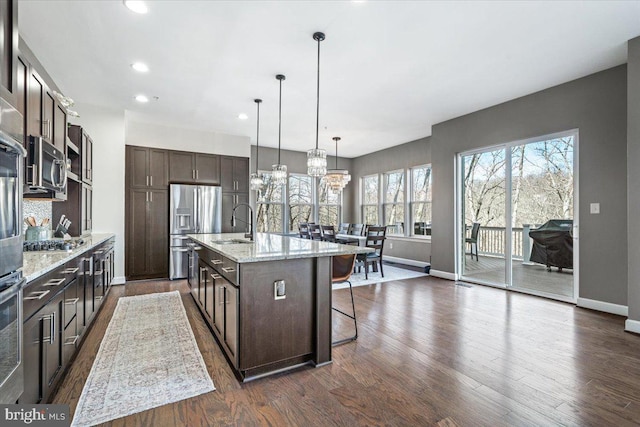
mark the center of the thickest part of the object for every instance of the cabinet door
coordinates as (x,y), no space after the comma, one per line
(227,180)
(52,343)
(87,158)
(48,112)
(87,209)
(241,174)
(136,225)
(60,128)
(231,321)
(208,293)
(208,169)
(22,90)
(32,355)
(83,270)
(35,119)
(158,169)
(202,279)
(98,282)
(137,167)
(8,48)
(88,290)
(157,234)
(181,168)
(218,310)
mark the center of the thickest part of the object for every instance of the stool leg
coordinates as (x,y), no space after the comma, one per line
(355,321)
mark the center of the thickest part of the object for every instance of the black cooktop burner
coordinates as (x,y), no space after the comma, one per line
(52,245)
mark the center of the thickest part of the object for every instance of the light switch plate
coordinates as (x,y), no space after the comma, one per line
(595,208)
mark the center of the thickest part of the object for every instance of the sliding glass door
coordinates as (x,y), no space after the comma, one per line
(517,222)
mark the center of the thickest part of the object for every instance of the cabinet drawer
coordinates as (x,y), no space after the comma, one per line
(38,292)
(229,270)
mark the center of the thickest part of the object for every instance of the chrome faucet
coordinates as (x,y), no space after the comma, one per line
(250,223)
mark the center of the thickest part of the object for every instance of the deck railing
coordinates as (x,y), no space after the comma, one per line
(491,241)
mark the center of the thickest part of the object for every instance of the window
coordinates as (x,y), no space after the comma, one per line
(300,201)
(329,206)
(370,188)
(421,200)
(270,207)
(394,199)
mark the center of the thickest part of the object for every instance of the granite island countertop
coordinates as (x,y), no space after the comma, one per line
(272,247)
(36,264)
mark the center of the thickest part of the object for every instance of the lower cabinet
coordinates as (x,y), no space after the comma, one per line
(58,308)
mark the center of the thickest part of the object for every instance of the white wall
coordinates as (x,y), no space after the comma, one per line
(175,138)
(107,130)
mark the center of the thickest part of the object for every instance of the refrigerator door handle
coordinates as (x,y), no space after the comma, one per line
(198,196)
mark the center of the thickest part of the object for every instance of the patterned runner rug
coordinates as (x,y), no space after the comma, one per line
(148,358)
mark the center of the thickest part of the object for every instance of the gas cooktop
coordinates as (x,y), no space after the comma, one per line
(52,245)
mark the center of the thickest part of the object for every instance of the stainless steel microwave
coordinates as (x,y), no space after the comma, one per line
(46,170)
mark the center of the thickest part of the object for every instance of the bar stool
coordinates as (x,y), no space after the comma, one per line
(342,267)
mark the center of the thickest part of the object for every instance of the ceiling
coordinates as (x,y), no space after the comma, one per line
(389,69)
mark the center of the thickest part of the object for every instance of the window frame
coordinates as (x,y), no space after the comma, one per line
(288,203)
(365,205)
(282,203)
(384,204)
(339,203)
(413,202)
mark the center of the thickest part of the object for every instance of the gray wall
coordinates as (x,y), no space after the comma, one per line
(296,162)
(633,160)
(414,153)
(597,106)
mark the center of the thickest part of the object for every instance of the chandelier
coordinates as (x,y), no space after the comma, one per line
(279,171)
(256,183)
(336,179)
(317,157)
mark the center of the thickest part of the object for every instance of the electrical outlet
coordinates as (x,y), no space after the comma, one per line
(390,245)
(595,208)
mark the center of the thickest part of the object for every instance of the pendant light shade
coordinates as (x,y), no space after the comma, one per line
(279,171)
(336,179)
(256,183)
(317,158)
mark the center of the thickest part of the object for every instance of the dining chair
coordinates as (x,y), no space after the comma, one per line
(328,233)
(356,229)
(375,237)
(473,240)
(315,232)
(303,228)
(343,228)
(342,267)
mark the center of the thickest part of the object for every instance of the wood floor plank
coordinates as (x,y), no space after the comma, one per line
(428,353)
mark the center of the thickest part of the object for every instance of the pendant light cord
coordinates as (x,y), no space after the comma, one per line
(318,96)
(279,120)
(258,101)
(336,139)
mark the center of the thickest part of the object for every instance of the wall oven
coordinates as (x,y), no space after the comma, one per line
(46,169)
(11,282)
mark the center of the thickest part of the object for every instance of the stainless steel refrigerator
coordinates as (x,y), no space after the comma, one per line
(194,209)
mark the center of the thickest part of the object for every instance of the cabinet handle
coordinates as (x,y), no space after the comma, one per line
(151,196)
(221,296)
(215,276)
(146,196)
(151,180)
(52,328)
(74,338)
(197,174)
(99,298)
(37,295)
(147,180)
(55,282)
(98,272)
(99,251)
(72,301)
(216,261)
(193,174)
(70,270)
(228,269)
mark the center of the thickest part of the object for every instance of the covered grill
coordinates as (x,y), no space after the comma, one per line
(553,244)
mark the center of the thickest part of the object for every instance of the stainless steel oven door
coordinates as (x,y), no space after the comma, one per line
(11,369)
(11,163)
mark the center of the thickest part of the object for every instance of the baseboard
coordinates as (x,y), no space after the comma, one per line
(632,326)
(118,280)
(406,261)
(607,307)
(443,274)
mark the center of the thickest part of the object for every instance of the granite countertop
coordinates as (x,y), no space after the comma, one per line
(272,247)
(36,264)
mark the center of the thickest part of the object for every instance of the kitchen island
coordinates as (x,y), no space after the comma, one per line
(268,302)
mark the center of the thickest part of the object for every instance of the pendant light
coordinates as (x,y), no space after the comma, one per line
(336,179)
(317,158)
(256,182)
(279,171)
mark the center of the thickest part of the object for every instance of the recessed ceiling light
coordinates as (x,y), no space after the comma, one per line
(136,6)
(243,116)
(141,67)
(142,98)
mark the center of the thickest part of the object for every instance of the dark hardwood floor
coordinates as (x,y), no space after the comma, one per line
(429,353)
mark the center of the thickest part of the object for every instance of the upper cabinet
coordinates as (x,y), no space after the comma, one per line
(197,168)
(83,141)
(8,50)
(147,167)
(235,174)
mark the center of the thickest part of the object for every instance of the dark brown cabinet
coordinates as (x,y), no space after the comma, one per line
(86,211)
(234,174)
(198,168)
(37,89)
(147,229)
(59,127)
(147,167)
(83,141)
(8,49)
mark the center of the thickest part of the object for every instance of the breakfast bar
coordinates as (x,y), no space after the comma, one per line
(268,301)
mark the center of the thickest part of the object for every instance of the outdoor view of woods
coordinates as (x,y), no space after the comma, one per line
(299,206)
(542,184)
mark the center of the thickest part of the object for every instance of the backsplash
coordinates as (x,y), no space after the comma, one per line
(38,210)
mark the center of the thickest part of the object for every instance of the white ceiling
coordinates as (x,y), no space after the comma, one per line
(389,69)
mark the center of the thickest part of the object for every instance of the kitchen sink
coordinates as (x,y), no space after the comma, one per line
(230,241)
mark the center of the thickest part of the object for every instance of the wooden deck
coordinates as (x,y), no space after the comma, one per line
(528,277)
(429,353)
